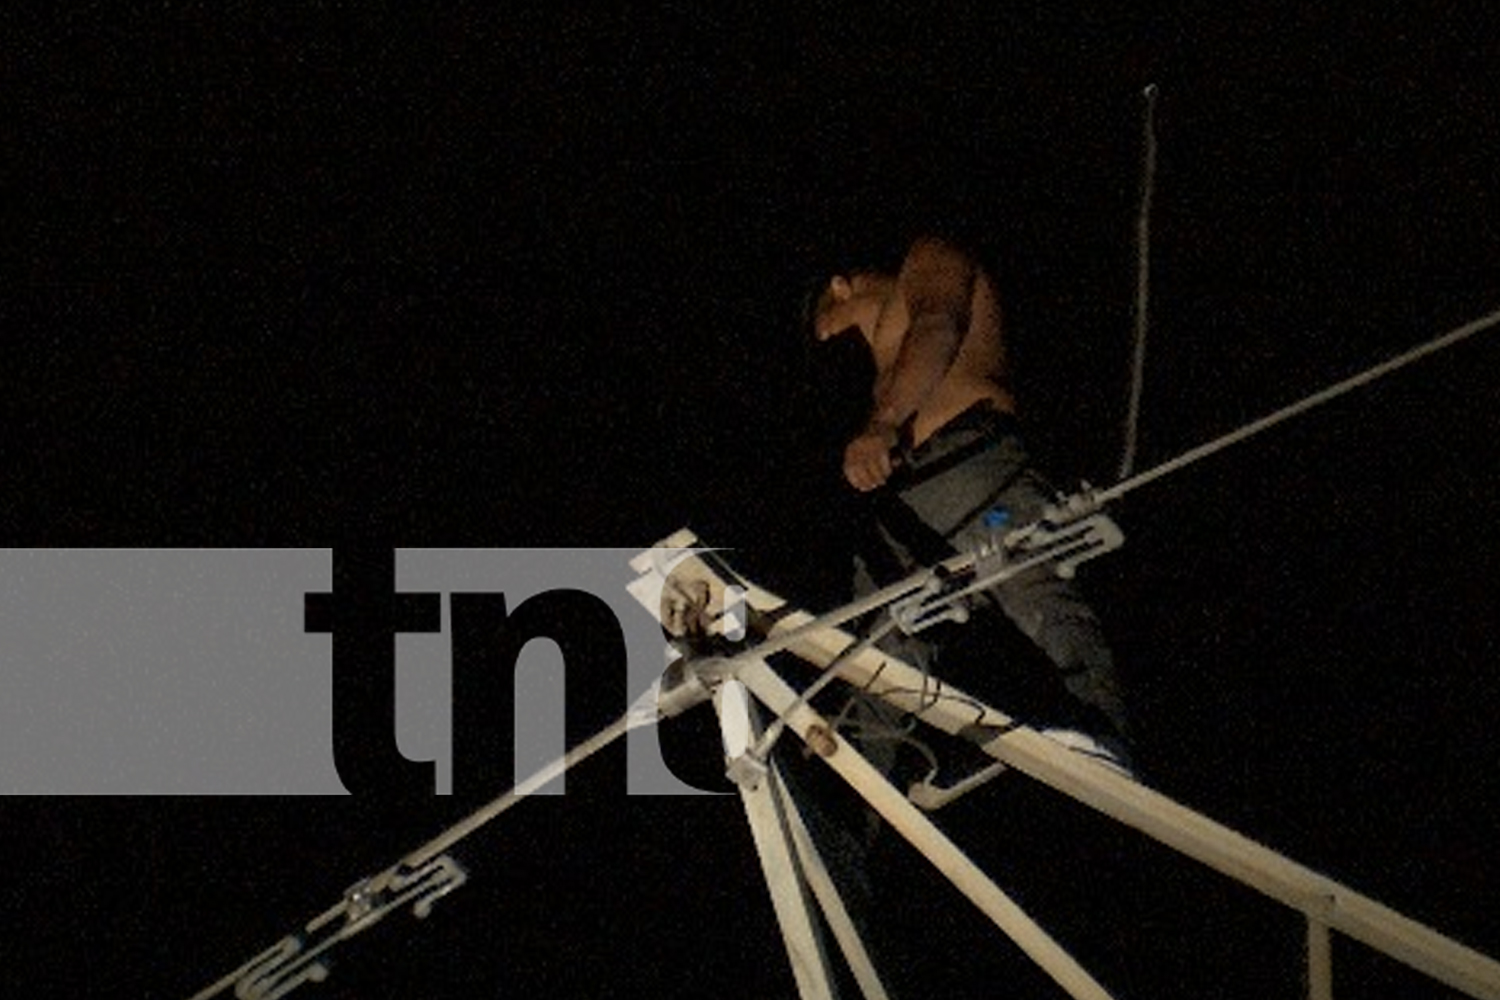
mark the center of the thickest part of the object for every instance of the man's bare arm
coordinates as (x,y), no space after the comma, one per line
(937,284)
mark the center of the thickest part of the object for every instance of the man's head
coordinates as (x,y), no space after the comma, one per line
(849,300)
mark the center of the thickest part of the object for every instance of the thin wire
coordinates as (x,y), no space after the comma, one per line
(1142,287)
(829,674)
(1443,342)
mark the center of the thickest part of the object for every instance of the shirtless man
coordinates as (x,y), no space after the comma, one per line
(934,331)
(941,448)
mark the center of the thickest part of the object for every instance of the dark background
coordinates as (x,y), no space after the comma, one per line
(528,278)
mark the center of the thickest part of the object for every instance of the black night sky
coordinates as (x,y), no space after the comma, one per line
(529,277)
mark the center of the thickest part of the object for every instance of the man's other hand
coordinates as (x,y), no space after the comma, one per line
(867,459)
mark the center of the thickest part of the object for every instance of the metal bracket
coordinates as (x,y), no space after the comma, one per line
(935,603)
(1065,544)
(929,796)
(299,959)
(1069,534)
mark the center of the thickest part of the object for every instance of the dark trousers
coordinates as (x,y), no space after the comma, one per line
(936,504)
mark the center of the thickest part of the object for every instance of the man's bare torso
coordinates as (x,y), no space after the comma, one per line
(979,372)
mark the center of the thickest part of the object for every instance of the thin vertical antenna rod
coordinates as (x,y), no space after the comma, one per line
(1142,286)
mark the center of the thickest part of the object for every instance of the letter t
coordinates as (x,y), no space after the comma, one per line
(364,620)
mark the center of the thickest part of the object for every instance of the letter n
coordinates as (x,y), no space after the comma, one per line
(487,644)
